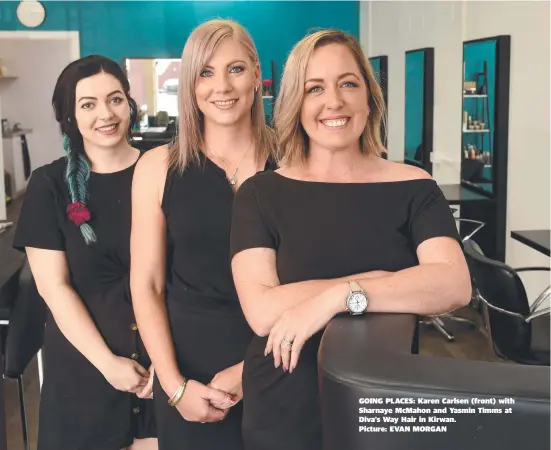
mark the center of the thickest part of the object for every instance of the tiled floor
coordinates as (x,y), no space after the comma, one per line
(468,344)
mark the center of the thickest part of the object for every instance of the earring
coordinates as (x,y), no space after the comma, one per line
(256,89)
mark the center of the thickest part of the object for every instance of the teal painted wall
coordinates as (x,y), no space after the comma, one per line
(415,70)
(376,65)
(120,29)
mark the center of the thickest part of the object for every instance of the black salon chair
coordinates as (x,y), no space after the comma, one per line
(519,332)
(369,357)
(25,336)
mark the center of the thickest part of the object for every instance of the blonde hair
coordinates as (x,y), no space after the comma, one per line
(292,139)
(200,46)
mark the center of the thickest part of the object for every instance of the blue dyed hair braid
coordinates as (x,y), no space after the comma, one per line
(77,174)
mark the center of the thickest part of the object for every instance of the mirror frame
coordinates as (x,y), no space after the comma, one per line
(427,133)
(500,118)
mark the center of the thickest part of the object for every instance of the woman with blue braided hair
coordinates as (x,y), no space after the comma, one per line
(75,228)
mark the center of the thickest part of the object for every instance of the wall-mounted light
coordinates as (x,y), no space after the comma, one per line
(31,13)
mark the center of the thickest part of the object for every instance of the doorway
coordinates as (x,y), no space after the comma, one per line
(33,60)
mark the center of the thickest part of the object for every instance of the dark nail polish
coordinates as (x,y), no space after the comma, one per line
(284,368)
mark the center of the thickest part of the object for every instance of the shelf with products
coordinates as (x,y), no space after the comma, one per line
(477,142)
(465,130)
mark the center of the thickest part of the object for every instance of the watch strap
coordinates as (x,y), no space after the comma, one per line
(354,286)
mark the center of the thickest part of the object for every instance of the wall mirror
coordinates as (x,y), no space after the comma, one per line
(419,108)
(154,86)
(484,124)
(380,68)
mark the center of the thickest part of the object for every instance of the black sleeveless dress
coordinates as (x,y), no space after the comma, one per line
(79,409)
(208,327)
(322,231)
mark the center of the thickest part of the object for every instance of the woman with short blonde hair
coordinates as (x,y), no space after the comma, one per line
(292,139)
(336,229)
(186,306)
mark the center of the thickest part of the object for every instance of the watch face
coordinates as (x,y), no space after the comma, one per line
(357,302)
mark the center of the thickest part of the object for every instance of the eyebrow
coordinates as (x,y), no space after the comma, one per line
(94,98)
(229,64)
(320,80)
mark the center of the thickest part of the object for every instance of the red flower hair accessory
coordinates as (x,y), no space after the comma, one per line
(78,213)
(266,83)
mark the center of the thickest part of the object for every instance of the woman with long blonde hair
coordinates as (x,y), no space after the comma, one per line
(337,229)
(186,306)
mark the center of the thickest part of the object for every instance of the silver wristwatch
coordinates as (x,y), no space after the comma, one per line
(356,302)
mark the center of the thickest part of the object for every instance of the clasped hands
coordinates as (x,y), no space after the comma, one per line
(212,402)
(127,375)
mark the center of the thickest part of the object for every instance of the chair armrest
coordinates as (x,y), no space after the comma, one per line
(479,224)
(369,357)
(534,307)
(533,269)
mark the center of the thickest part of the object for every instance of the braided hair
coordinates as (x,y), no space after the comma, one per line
(77,171)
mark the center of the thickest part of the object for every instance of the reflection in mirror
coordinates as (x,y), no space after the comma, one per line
(154,86)
(480,100)
(419,95)
(380,68)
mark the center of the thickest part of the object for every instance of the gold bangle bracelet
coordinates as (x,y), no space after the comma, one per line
(178,394)
(172,401)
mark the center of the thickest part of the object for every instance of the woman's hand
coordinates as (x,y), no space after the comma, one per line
(125,374)
(298,324)
(147,391)
(294,328)
(196,405)
(230,381)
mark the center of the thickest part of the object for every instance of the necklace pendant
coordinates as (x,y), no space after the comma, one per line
(233,181)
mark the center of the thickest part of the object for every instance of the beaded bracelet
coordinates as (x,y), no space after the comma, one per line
(172,401)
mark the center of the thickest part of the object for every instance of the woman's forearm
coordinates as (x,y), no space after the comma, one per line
(274,301)
(427,289)
(153,325)
(76,324)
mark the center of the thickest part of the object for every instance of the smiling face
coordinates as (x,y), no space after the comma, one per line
(335,107)
(226,86)
(102,111)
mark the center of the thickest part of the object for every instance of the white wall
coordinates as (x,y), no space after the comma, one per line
(28,100)
(391,28)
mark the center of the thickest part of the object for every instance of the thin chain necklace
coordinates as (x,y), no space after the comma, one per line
(233,178)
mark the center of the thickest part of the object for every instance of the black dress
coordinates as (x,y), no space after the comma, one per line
(208,327)
(321,231)
(79,409)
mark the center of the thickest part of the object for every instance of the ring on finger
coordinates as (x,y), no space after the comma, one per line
(287,341)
